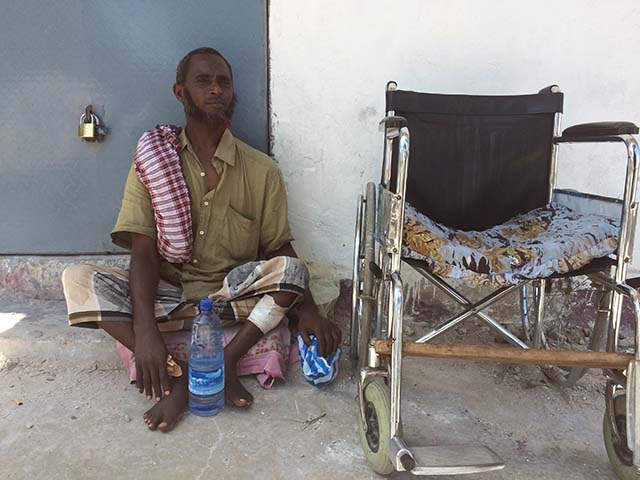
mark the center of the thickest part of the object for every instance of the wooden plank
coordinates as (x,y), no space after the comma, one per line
(500,354)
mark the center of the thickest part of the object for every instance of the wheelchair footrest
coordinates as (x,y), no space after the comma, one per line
(454,460)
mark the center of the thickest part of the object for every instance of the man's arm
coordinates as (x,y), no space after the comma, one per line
(150,350)
(310,322)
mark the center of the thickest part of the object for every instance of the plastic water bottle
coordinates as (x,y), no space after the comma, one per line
(206,362)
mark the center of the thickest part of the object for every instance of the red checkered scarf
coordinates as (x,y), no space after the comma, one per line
(157,163)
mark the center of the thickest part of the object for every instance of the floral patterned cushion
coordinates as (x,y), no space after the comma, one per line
(537,244)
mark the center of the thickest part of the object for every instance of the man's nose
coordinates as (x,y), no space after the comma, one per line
(215,88)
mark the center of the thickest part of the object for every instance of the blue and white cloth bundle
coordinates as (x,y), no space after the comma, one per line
(317,370)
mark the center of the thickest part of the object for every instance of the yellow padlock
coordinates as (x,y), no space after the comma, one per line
(88,127)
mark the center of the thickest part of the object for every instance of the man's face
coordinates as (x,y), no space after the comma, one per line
(207,93)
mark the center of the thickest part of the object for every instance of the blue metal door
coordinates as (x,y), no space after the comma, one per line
(59,194)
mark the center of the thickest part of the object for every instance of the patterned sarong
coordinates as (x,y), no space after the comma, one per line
(96,293)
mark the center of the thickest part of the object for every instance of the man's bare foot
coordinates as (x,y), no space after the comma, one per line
(164,414)
(234,393)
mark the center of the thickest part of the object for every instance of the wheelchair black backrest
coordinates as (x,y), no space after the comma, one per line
(476,161)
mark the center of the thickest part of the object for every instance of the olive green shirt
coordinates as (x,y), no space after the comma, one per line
(244,217)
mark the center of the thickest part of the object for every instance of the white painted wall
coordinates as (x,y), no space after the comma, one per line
(331,59)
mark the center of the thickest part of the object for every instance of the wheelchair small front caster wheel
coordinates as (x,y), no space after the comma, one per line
(375,440)
(620,456)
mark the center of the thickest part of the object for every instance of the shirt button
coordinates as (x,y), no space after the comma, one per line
(206,204)
(194,261)
(202,174)
(201,232)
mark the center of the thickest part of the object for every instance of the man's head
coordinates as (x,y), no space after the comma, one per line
(204,85)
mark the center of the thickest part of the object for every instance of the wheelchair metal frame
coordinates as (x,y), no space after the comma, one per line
(378,292)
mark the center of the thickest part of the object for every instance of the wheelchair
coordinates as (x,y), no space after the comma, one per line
(461,173)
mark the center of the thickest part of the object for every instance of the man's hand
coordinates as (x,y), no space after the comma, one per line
(151,364)
(311,323)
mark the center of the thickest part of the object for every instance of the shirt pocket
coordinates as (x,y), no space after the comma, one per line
(240,236)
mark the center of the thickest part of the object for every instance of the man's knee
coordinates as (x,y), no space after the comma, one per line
(79,274)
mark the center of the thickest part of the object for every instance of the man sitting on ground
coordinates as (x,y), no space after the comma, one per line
(238,248)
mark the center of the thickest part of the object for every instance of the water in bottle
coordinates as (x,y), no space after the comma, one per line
(206,362)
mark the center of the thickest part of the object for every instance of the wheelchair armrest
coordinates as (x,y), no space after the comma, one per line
(633,282)
(600,129)
(550,89)
(393,122)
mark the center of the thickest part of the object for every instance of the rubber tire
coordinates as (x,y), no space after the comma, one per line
(624,472)
(377,393)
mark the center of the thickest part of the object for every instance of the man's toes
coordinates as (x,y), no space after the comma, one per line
(151,420)
(164,427)
(238,402)
(241,403)
(237,399)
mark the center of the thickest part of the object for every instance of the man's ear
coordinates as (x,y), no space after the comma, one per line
(178,91)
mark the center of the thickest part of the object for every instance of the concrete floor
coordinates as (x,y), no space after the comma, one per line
(67,411)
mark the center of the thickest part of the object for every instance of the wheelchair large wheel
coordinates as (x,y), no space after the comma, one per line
(375,440)
(620,456)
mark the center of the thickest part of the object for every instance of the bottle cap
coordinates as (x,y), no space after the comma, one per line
(206,304)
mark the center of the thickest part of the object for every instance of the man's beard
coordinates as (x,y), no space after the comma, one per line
(213,118)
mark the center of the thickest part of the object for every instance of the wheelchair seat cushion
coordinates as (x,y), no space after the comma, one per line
(548,240)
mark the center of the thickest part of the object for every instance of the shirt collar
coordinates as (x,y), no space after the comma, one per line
(226,150)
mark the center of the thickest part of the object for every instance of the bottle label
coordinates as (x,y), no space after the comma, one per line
(206,383)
